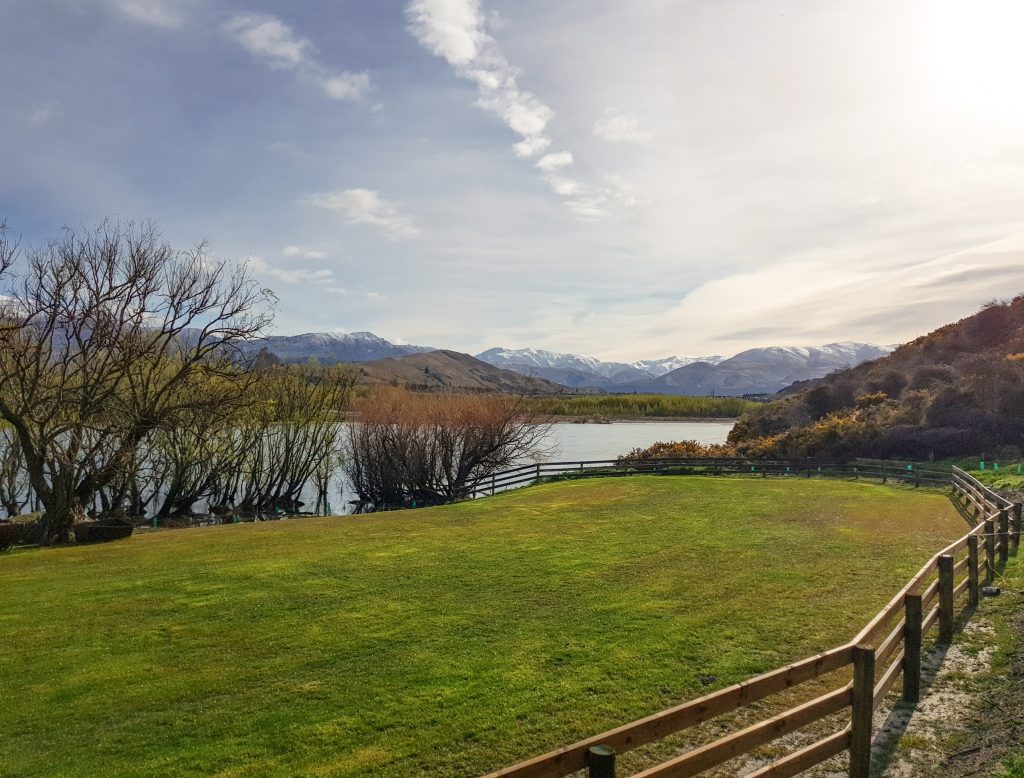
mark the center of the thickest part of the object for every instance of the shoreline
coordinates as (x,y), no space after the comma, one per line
(643,419)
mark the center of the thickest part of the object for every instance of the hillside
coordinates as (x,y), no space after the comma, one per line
(330,348)
(956,391)
(437,370)
(760,370)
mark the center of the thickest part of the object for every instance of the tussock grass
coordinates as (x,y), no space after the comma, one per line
(444,641)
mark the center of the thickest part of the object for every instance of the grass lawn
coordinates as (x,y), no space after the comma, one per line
(444,641)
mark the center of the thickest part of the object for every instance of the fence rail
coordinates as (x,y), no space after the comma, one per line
(928,475)
(888,648)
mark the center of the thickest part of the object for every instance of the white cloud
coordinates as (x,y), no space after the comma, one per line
(531,146)
(296,251)
(563,186)
(157,13)
(621,128)
(268,38)
(289,275)
(366,206)
(347,86)
(558,159)
(455,30)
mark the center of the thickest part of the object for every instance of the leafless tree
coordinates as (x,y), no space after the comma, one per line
(435,448)
(106,336)
(14,488)
(292,436)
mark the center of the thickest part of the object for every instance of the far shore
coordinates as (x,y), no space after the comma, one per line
(647,419)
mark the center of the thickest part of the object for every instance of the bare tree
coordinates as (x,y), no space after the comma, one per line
(436,448)
(14,487)
(294,433)
(106,336)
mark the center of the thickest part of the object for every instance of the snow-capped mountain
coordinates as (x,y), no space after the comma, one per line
(762,370)
(755,371)
(657,367)
(577,371)
(333,347)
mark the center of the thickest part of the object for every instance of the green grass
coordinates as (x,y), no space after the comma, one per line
(646,405)
(444,641)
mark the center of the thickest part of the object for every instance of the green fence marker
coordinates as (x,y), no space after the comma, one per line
(1018,469)
(995,466)
(910,467)
(982,464)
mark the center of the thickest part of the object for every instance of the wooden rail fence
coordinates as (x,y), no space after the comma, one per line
(887,649)
(534,472)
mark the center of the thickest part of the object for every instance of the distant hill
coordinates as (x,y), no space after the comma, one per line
(581,371)
(956,391)
(332,347)
(438,370)
(756,371)
(760,370)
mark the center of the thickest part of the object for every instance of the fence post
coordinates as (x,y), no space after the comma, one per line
(946,599)
(1004,535)
(973,587)
(1015,528)
(885,474)
(538,472)
(863,708)
(601,762)
(912,648)
(990,551)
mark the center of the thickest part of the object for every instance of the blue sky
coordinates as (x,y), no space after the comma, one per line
(626,180)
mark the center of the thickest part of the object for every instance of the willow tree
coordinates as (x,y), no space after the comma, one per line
(427,449)
(107,335)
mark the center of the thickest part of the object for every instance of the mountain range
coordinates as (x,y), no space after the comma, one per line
(754,371)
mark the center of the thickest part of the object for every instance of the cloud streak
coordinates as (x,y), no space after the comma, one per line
(155,13)
(618,127)
(456,31)
(366,206)
(269,39)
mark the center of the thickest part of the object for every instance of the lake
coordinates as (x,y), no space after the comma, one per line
(606,441)
(574,442)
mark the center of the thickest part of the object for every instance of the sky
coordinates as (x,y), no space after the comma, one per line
(623,180)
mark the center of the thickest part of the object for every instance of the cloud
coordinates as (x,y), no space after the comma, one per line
(156,13)
(621,128)
(268,38)
(366,206)
(289,275)
(531,146)
(456,31)
(550,162)
(296,251)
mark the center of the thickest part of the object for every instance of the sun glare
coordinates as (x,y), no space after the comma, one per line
(977,54)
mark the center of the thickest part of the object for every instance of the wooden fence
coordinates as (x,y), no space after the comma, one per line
(887,649)
(927,475)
